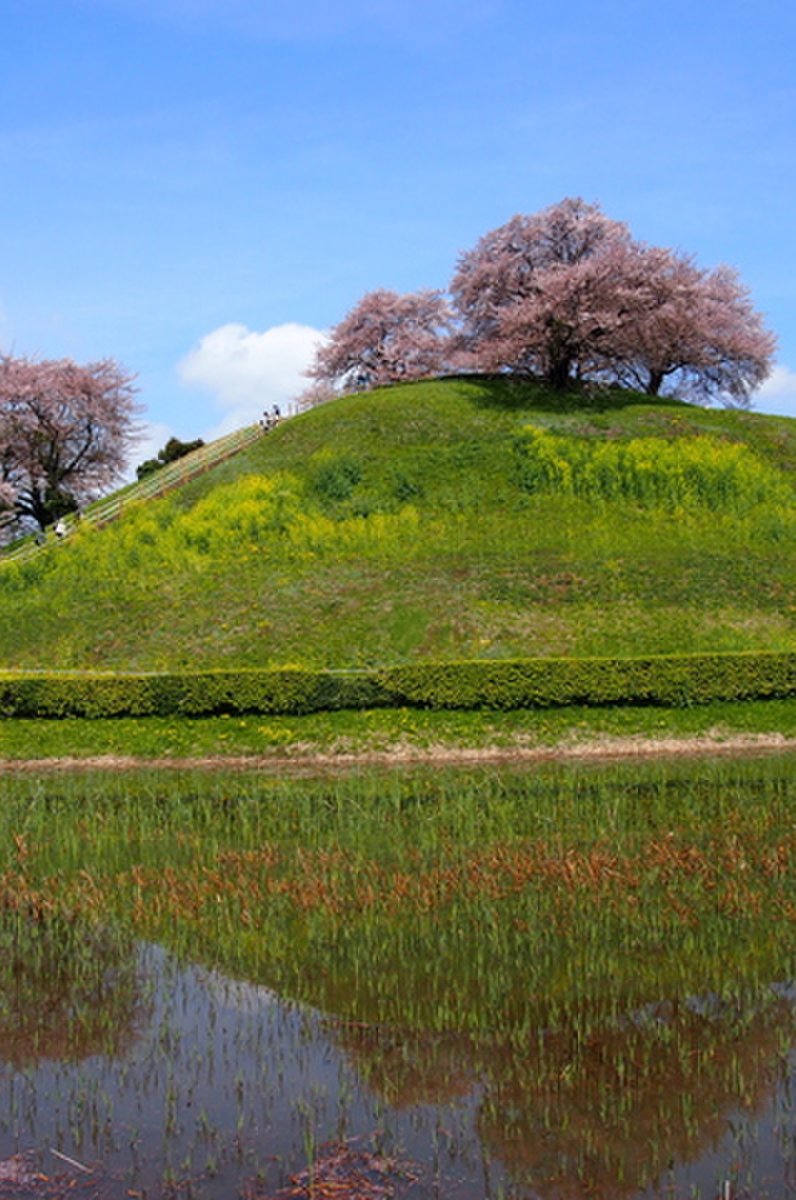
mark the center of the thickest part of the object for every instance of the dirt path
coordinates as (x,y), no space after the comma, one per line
(306,759)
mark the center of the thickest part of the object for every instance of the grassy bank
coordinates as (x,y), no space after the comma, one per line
(437,521)
(386,730)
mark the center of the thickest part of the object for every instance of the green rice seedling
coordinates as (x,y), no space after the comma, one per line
(335,888)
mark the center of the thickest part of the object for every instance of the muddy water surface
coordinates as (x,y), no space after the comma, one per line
(575,987)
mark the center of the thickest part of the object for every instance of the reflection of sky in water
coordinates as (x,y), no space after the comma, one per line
(220,1081)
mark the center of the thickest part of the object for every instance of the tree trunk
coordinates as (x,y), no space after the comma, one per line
(558,374)
(654,383)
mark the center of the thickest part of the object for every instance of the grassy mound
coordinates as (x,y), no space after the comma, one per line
(461,518)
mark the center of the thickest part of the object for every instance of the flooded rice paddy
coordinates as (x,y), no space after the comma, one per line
(466,984)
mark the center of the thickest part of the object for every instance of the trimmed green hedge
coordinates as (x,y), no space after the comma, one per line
(543,683)
(190,694)
(530,683)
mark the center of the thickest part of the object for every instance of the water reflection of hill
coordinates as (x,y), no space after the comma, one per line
(66,992)
(593,1109)
(595,1104)
(407,1068)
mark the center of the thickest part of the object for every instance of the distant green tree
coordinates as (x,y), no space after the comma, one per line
(173,450)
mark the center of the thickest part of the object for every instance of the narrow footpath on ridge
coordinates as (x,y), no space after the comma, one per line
(307,759)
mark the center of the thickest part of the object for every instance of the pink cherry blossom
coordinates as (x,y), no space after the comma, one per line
(65,430)
(567,294)
(386,338)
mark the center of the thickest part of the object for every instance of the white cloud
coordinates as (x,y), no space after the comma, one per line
(248,372)
(778,393)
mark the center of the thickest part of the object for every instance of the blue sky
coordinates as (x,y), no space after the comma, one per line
(199,187)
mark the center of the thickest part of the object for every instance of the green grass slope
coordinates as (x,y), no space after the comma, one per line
(460,518)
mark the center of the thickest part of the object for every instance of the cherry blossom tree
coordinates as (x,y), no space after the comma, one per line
(65,430)
(570,324)
(568,294)
(531,293)
(319,391)
(386,338)
(687,331)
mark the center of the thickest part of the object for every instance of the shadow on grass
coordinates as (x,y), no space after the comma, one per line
(507,392)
